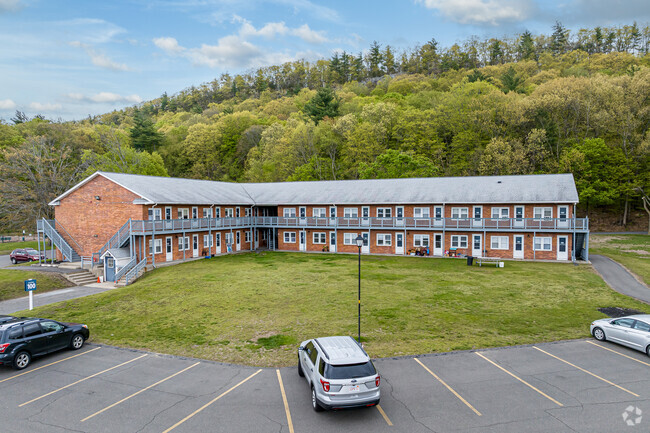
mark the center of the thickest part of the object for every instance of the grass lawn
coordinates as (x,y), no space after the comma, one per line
(632,251)
(8,247)
(12,282)
(255,308)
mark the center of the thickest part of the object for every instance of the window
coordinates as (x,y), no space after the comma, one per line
(319,237)
(111,261)
(384,212)
(289,212)
(183,213)
(229,238)
(421,240)
(542,243)
(642,326)
(384,240)
(247,211)
(625,323)
(349,238)
(289,237)
(421,212)
(499,242)
(207,212)
(351,212)
(543,212)
(49,326)
(32,330)
(155,213)
(207,241)
(217,239)
(319,212)
(15,333)
(228,212)
(247,236)
(500,212)
(459,241)
(459,212)
(183,243)
(157,245)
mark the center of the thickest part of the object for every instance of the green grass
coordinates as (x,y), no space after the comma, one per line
(632,251)
(8,247)
(254,309)
(12,283)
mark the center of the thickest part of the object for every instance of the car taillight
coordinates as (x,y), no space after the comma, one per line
(377,379)
(3,347)
(326,385)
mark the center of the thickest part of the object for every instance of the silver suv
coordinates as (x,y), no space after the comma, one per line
(339,372)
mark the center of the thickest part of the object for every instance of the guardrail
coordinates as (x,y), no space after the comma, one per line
(125,269)
(133,273)
(117,239)
(47,228)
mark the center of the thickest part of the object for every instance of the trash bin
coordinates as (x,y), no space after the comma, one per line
(470,260)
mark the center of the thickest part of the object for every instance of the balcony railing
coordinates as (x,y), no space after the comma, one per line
(464,224)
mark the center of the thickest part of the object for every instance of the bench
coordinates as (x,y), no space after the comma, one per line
(496,260)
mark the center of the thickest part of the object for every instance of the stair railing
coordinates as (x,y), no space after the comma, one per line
(59,242)
(133,273)
(125,269)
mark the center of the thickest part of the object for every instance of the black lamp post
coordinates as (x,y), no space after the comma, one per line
(359,241)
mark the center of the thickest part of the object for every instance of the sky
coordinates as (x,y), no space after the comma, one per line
(70,59)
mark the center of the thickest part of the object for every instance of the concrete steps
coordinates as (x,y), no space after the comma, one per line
(122,281)
(81,278)
(70,265)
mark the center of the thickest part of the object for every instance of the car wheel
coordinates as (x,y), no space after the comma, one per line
(300,372)
(22,360)
(76,342)
(13,260)
(647,350)
(314,401)
(599,334)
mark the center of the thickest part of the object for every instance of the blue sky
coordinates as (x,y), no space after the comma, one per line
(68,59)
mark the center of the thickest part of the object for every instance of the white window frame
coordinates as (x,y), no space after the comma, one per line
(230,238)
(418,240)
(500,242)
(207,241)
(319,238)
(195,212)
(168,208)
(541,241)
(384,239)
(157,245)
(228,212)
(155,213)
(350,239)
(459,213)
(247,211)
(183,213)
(319,212)
(540,213)
(217,240)
(384,212)
(207,212)
(351,212)
(500,212)
(289,237)
(247,236)
(217,212)
(459,241)
(289,212)
(422,212)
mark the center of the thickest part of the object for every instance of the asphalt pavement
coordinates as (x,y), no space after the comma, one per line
(619,279)
(40,299)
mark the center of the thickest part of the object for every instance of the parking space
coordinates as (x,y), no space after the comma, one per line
(567,386)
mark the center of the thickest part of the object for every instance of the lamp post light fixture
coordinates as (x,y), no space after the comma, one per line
(359,241)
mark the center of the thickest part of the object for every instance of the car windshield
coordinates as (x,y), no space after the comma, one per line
(349,371)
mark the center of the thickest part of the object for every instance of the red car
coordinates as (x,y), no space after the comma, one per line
(24,255)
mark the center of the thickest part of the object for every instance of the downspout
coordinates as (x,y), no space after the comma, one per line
(210,227)
(573,243)
(153,235)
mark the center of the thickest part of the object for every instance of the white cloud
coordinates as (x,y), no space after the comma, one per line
(270,30)
(7,104)
(9,5)
(91,30)
(105,97)
(309,35)
(492,12)
(230,51)
(99,59)
(169,45)
(38,106)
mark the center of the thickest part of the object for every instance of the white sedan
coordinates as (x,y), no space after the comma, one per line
(630,331)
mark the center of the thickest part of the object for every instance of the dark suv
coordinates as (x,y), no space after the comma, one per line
(25,255)
(23,338)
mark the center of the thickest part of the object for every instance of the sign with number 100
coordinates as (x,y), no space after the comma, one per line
(30,285)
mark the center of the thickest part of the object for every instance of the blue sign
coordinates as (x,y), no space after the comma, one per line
(30,285)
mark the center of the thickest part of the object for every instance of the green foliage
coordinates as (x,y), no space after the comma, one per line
(143,134)
(324,103)
(393,164)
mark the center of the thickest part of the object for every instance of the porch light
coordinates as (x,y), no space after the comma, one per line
(359,241)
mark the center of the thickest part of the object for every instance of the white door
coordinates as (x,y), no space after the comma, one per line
(477,246)
(399,215)
(257,239)
(332,242)
(303,241)
(303,215)
(563,216)
(195,245)
(518,250)
(437,244)
(217,243)
(478,216)
(437,214)
(562,248)
(168,249)
(238,241)
(332,215)
(365,248)
(365,215)
(519,217)
(399,243)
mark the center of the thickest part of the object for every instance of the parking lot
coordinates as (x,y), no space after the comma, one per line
(568,386)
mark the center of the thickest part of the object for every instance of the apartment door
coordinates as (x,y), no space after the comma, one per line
(217,243)
(303,241)
(195,245)
(519,217)
(437,244)
(168,249)
(399,215)
(365,248)
(238,241)
(563,216)
(562,248)
(437,213)
(478,216)
(399,243)
(303,215)
(518,251)
(365,216)
(332,215)
(257,239)
(332,242)
(477,245)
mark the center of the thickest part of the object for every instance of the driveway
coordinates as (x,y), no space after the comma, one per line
(619,279)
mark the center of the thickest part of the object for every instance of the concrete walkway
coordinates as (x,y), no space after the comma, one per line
(619,279)
(13,305)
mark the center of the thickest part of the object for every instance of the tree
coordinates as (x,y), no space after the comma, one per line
(510,81)
(526,47)
(20,117)
(496,52)
(324,103)
(559,39)
(389,61)
(374,59)
(143,134)
(393,164)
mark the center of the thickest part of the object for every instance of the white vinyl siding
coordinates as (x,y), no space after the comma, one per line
(319,237)
(289,212)
(384,239)
(542,243)
(421,240)
(499,242)
(349,238)
(351,212)
(421,212)
(459,241)
(290,237)
(459,212)
(542,212)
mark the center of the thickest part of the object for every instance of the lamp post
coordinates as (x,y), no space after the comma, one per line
(359,241)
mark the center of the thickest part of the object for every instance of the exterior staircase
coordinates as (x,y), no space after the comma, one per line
(81,278)
(48,229)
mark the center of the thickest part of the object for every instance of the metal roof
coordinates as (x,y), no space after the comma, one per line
(542,188)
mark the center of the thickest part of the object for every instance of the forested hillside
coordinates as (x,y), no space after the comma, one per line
(566,102)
